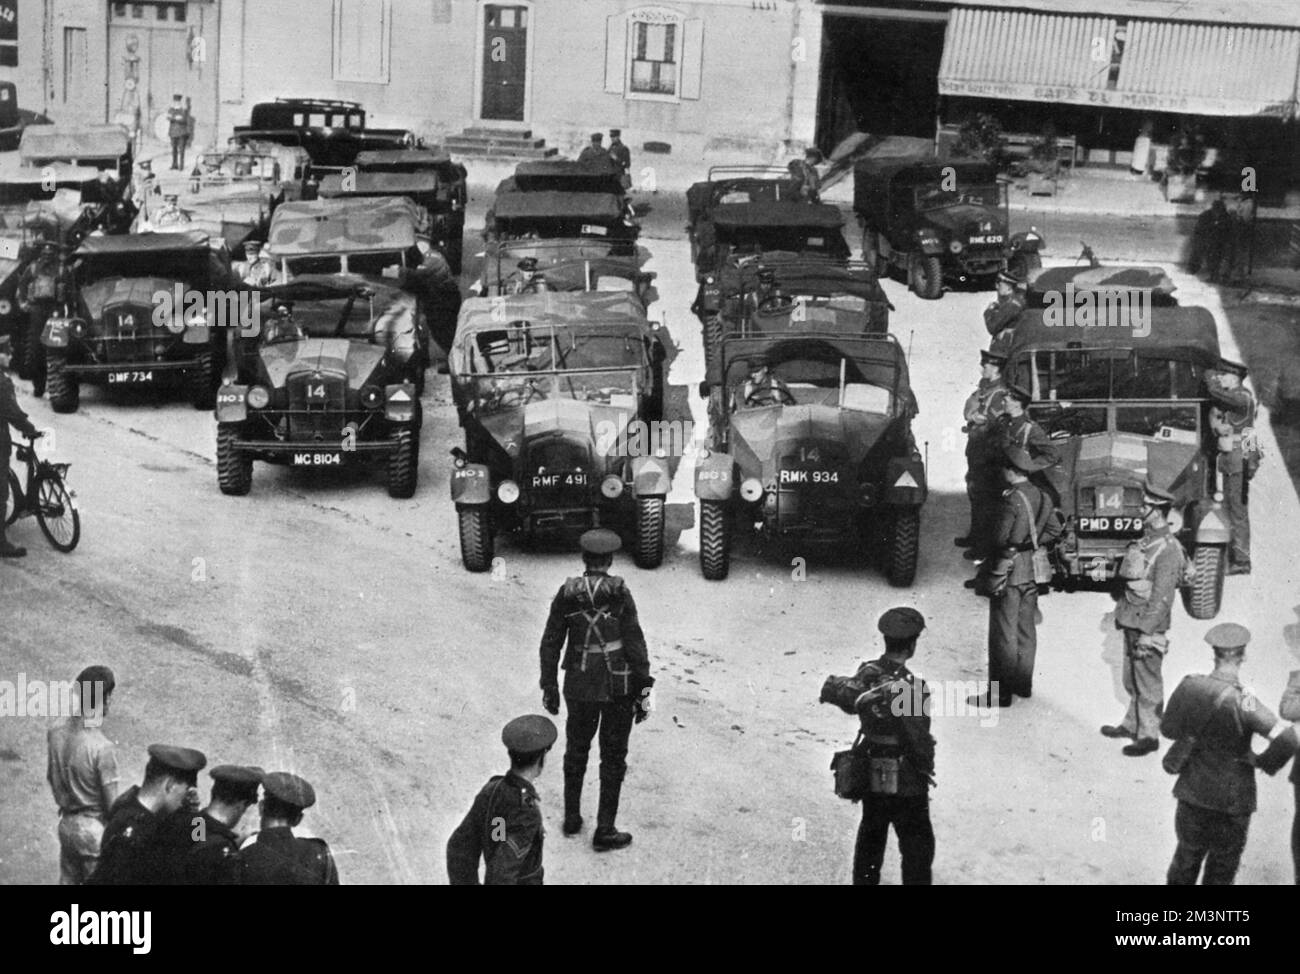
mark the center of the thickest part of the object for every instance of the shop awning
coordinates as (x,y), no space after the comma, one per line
(1113,62)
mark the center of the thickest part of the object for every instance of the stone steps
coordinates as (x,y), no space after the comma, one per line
(486,142)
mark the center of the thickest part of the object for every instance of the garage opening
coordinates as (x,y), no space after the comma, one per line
(879,74)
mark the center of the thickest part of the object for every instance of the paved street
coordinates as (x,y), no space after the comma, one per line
(319,626)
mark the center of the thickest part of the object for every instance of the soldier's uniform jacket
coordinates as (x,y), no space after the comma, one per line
(209,861)
(260,273)
(1220,774)
(178,122)
(621,154)
(1150,613)
(504,827)
(1011,532)
(885,733)
(606,652)
(277,857)
(1289,709)
(1023,432)
(1003,312)
(983,407)
(1232,418)
(593,153)
(11,414)
(131,851)
(40,281)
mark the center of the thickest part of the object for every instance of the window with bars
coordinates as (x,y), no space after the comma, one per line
(655,58)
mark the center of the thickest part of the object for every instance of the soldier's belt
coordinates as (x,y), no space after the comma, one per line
(881,739)
(613,646)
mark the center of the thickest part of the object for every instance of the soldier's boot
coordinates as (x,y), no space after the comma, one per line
(8,550)
(606,837)
(572,804)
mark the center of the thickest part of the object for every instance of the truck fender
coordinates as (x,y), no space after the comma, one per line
(196,335)
(650,477)
(56,332)
(905,482)
(715,477)
(471,484)
(1212,528)
(232,403)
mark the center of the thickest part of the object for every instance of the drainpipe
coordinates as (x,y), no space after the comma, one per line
(796,9)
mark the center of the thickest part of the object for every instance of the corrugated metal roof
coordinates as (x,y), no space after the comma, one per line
(1165,66)
(1259,13)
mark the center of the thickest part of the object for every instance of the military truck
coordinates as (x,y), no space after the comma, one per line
(533,266)
(1125,397)
(832,459)
(98,147)
(333,132)
(938,221)
(373,238)
(328,380)
(557,393)
(123,326)
(444,201)
(556,199)
(731,185)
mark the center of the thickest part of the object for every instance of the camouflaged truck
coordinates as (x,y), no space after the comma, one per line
(444,199)
(373,238)
(821,451)
(329,380)
(123,326)
(1122,391)
(556,392)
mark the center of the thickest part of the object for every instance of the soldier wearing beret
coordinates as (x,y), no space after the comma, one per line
(595,151)
(983,457)
(1024,523)
(1000,316)
(1232,420)
(606,681)
(274,856)
(133,851)
(1216,783)
(202,845)
(504,825)
(894,708)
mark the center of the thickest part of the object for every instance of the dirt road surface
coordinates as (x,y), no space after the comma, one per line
(321,627)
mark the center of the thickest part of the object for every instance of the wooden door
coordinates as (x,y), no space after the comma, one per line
(505,69)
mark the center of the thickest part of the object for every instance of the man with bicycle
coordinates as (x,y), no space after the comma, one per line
(11,414)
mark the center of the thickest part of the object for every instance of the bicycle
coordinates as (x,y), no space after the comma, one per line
(46,496)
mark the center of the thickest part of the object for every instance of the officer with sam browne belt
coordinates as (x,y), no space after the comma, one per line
(891,766)
(606,681)
(1232,420)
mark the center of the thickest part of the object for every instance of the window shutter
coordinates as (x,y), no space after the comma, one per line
(692,58)
(615,53)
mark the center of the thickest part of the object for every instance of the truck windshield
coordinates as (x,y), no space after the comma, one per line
(512,390)
(931,198)
(1064,374)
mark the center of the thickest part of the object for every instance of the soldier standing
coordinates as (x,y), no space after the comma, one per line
(178,131)
(621,155)
(39,290)
(1000,316)
(1232,420)
(897,734)
(133,851)
(504,825)
(274,856)
(1024,522)
(983,461)
(1143,615)
(1216,784)
(11,414)
(81,767)
(606,681)
(202,846)
(1289,709)
(595,151)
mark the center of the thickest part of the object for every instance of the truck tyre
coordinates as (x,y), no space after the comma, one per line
(1206,590)
(63,389)
(715,540)
(203,381)
(927,277)
(649,552)
(475,538)
(403,465)
(712,347)
(904,543)
(234,466)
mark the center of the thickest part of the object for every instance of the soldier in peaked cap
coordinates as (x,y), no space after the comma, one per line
(504,825)
(170,213)
(274,856)
(1000,316)
(1232,420)
(892,704)
(621,155)
(607,681)
(202,845)
(983,462)
(133,851)
(595,151)
(1216,777)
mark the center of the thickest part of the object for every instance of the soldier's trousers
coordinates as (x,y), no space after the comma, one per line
(613,719)
(1236,504)
(1013,641)
(985,494)
(35,351)
(910,817)
(1145,686)
(1205,836)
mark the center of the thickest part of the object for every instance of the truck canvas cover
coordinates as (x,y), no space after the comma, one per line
(73,142)
(597,207)
(351,225)
(777,214)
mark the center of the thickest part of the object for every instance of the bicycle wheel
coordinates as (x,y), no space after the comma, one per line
(56,513)
(11,502)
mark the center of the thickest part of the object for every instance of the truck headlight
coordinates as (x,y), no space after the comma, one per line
(6,306)
(751,489)
(956,246)
(611,488)
(507,492)
(259,397)
(372,397)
